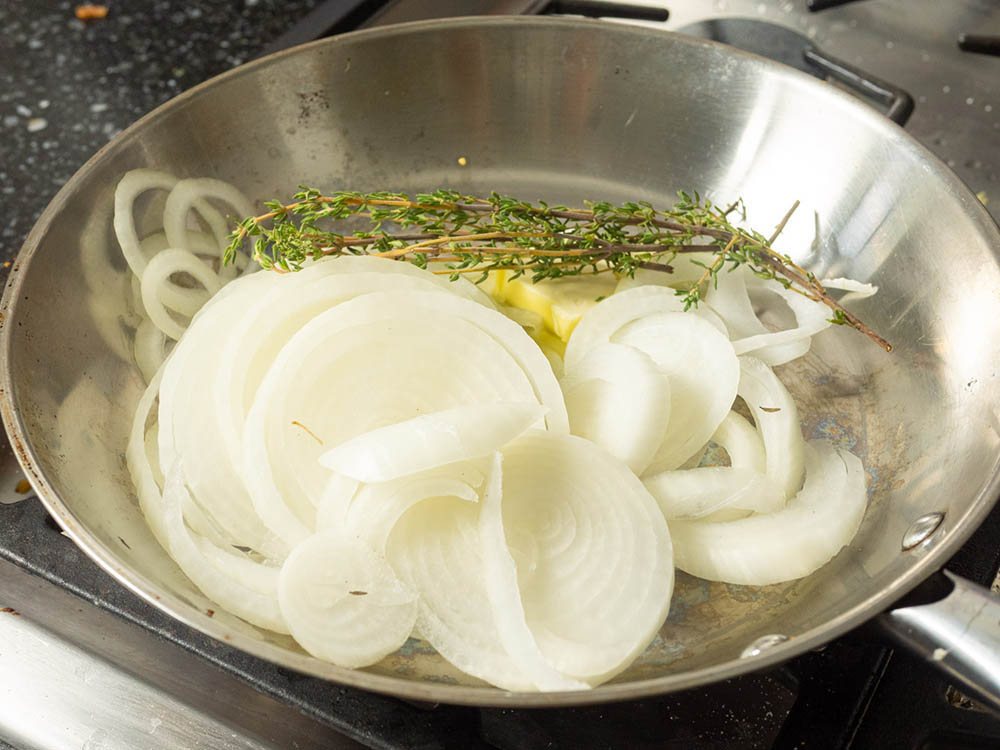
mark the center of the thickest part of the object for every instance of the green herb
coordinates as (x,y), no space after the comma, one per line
(454,235)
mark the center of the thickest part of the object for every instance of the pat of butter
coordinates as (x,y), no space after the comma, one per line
(560,303)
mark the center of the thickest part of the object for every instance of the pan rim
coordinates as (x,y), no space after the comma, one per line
(960,528)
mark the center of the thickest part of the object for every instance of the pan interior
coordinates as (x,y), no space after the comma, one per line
(564,112)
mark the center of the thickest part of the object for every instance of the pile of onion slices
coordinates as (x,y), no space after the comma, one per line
(363,452)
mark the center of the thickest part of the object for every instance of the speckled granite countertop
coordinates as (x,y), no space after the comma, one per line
(68,86)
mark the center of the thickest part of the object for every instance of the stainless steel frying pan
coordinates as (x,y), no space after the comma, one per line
(568,111)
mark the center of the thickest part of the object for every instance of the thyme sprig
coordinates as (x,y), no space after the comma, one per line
(456,234)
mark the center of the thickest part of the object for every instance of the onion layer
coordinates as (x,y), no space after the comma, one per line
(595,576)
(617,397)
(777,421)
(343,603)
(431,440)
(703,372)
(791,543)
(500,574)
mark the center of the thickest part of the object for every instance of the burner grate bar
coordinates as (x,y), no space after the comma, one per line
(592,9)
(984,45)
(818,5)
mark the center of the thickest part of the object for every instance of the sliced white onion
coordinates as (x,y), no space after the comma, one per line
(730,298)
(555,359)
(693,493)
(780,347)
(331,513)
(259,577)
(254,603)
(192,193)
(203,525)
(435,547)
(164,515)
(855,289)
(529,320)
(369,263)
(130,187)
(726,514)
(150,349)
(703,372)
(617,397)
(369,362)
(183,300)
(860,288)
(513,338)
(343,603)
(742,442)
(295,299)
(791,543)
(187,416)
(360,397)
(432,440)
(375,509)
(500,574)
(777,418)
(286,304)
(134,184)
(158,272)
(601,576)
(608,316)
(348,383)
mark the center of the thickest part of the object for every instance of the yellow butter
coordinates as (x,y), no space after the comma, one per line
(560,303)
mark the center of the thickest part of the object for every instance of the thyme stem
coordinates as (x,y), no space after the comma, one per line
(473,235)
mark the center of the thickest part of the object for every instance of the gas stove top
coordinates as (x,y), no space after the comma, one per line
(84,663)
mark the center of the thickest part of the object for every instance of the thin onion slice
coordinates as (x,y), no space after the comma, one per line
(435,547)
(855,289)
(192,193)
(777,418)
(595,566)
(694,493)
(284,306)
(331,512)
(791,543)
(617,397)
(742,442)
(130,187)
(343,603)
(257,603)
(186,418)
(183,300)
(357,357)
(500,574)
(150,349)
(730,298)
(357,366)
(514,339)
(608,316)
(158,271)
(431,440)
(703,372)
(257,576)
(376,508)
(163,512)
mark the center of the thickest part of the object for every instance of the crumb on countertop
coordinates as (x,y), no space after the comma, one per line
(90,12)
